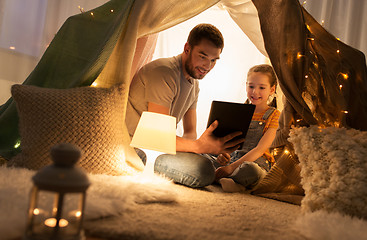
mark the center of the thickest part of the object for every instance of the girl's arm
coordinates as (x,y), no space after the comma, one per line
(264,144)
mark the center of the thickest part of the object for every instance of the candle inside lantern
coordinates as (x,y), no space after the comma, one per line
(51,222)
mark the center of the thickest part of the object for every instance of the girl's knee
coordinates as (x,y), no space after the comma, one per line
(248,174)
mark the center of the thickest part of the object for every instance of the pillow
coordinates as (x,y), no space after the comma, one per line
(91,118)
(333,169)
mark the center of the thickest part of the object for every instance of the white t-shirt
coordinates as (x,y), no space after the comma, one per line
(161,82)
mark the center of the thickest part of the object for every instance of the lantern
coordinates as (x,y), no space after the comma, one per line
(57,198)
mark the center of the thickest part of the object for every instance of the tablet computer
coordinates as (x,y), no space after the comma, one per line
(232,117)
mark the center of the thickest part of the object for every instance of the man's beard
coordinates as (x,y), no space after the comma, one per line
(191,70)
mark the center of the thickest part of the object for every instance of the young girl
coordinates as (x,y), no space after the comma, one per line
(246,166)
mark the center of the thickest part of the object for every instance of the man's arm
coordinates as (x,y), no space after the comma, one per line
(189,124)
(207,143)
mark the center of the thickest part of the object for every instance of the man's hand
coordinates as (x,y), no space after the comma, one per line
(208,143)
(223,159)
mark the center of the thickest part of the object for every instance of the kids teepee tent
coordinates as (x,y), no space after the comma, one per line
(99,46)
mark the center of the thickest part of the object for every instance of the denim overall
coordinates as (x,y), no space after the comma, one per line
(249,173)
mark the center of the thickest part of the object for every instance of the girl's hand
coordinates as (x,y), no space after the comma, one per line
(223,159)
(222,172)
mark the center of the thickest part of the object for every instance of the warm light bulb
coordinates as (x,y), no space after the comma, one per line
(345,76)
(78,213)
(51,222)
(338,51)
(299,55)
(306,76)
(12,47)
(17,144)
(340,86)
(36,211)
(286,151)
(345,112)
(81,9)
(92,13)
(112,10)
(75,213)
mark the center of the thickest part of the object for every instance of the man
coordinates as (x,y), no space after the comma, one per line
(170,86)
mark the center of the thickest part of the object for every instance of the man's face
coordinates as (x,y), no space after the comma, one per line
(201,58)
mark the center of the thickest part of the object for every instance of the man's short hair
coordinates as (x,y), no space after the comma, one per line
(205,31)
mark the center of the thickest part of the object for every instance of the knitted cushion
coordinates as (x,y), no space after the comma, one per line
(91,118)
(333,169)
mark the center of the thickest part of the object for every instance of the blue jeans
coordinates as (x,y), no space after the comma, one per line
(189,169)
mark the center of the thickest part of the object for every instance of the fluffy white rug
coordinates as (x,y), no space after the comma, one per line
(107,196)
(210,214)
(321,225)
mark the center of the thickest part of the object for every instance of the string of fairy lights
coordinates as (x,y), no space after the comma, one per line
(299,56)
(94,84)
(341,77)
(286,152)
(91,13)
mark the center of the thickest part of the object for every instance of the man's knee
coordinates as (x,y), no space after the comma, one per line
(189,169)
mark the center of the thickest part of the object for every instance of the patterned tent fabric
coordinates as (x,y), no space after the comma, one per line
(324,82)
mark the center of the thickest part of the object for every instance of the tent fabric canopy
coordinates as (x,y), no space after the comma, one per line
(99,46)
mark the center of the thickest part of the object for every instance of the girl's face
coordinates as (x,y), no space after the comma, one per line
(258,88)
